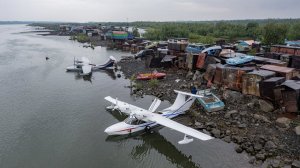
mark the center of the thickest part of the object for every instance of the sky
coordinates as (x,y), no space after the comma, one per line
(145,10)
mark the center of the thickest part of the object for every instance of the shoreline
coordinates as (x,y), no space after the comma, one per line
(244,121)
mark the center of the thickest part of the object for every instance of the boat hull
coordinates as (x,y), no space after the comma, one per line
(148,76)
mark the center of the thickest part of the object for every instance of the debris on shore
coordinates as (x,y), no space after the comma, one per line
(253,124)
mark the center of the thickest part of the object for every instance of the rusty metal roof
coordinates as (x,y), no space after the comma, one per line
(295,85)
(263,73)
(274,79)
(277,68)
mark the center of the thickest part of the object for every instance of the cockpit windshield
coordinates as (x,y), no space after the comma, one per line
(133,121)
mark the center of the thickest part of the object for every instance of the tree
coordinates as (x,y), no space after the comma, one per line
(294,32)
(274,33)
(135,32)
(252,29)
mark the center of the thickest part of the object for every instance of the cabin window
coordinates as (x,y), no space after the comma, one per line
(133,121)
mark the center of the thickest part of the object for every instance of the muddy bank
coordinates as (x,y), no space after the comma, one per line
(253,124)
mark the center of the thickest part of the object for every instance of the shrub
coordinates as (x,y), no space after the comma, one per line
(153,83)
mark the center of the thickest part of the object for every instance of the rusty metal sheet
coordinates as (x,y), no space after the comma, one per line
(277,94)
(251,81)
(276,62)
(286,58)
(297,52)
(201,60)
(273,55)
(274,49)
(290,100)
(295,62)
(210,72)
(280,71)
(232,77)
(218,74)
(286,49)
(267,87)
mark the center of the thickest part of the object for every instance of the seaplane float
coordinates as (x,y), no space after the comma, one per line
(86,67)
(140,119)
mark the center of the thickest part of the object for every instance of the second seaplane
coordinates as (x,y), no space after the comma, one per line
(140,119)
(86,67)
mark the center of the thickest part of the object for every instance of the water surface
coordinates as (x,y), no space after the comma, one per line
(50,118)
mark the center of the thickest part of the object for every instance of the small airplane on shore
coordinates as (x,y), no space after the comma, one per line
(143,120)
(86,67)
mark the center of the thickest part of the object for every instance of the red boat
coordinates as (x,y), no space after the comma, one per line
(148,76)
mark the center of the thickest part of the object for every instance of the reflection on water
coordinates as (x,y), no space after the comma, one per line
(78,76)
(153,140)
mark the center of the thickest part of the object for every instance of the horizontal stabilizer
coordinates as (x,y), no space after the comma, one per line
(188,94)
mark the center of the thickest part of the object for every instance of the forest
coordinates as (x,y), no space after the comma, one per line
(267,31)
(270,31)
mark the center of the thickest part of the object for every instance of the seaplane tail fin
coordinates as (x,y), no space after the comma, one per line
(112,58)
(86,69)
(156,102)
(85,60)
(178,127)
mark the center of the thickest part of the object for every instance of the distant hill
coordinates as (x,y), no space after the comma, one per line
(15,22)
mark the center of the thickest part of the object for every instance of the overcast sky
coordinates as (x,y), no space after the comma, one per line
(146,10)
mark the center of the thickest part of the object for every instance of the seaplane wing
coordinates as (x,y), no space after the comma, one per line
(178,127)
(86,69)
(125,107)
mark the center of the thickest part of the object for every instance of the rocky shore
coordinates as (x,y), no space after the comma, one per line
(253,124)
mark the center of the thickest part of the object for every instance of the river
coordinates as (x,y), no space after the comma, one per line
(50,118)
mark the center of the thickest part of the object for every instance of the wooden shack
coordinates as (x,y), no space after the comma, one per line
(251,81)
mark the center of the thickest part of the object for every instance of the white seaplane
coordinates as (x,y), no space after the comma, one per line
(86,67)
(143,120)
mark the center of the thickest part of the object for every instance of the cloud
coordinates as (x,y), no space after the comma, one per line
(146,10)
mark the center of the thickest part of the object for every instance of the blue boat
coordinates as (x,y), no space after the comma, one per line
(195,48)
(241,59)
(210,101)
